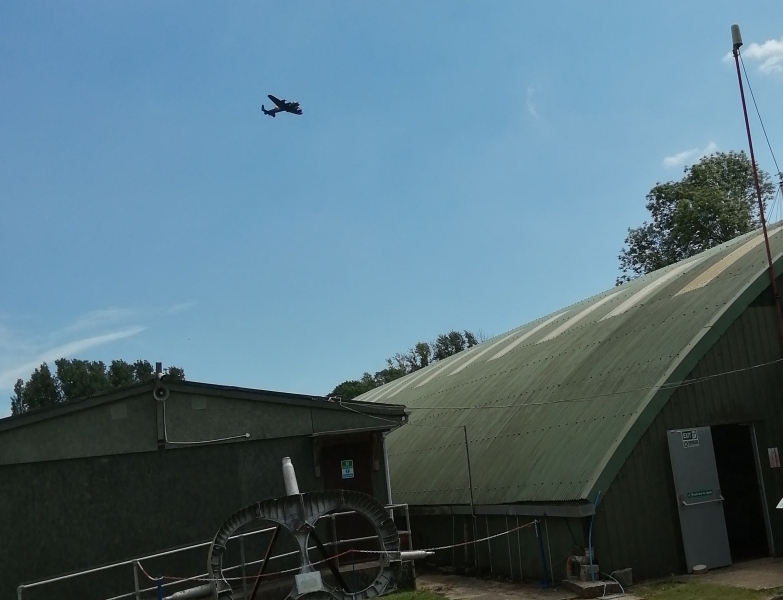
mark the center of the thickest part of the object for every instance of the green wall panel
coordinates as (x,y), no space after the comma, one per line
(94,431)
(637,524)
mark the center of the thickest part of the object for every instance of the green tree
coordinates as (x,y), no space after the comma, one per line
(354,387)
(76,379)
(17,400)
(452,342)
(713,203)
(143,371)
(120,374)
(175,374)
(414,359)
(418,357)
(81,378)
(42,390)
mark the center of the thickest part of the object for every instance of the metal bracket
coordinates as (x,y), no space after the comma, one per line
(718,499)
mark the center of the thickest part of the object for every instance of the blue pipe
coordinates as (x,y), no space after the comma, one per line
(590,535)
(545,581)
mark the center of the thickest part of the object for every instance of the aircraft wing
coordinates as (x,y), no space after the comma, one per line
(280,103)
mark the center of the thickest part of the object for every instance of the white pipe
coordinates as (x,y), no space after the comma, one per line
(289,477)
(197,592)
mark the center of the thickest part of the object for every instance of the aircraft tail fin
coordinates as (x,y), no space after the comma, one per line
(267,112)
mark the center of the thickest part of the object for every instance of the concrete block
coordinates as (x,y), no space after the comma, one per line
(590,589)
(405,579)
(584,573)
(624,577)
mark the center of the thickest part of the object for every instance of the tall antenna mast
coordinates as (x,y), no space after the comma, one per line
(736,40)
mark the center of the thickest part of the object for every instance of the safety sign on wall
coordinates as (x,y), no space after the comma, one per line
(347,468)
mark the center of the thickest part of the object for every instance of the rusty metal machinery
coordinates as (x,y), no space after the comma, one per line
(298,513)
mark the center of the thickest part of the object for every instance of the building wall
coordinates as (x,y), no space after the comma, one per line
(517,555)
(107,505)
(89,432)
(637,523)
(132,421)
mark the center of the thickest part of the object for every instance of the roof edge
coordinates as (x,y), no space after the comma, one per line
(208,389)
(50,412)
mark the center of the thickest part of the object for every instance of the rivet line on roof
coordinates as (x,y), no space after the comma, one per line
(587,323)
(564,384)
(526,365)
(512,397)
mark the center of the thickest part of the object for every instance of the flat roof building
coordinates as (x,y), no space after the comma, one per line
(159,465)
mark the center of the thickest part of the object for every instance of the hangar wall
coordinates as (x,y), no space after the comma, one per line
(517,556)
(637,523)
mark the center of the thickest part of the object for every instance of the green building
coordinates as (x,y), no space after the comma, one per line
(579,409)
(162,465)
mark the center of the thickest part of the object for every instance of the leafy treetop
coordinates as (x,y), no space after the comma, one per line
(77,379)
(713,203)
(418,357)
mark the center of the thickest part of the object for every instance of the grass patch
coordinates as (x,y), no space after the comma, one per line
(417,595)
(691,590)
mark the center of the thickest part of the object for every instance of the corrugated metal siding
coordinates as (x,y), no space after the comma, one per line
(567,403)
(637,524)
(515,556)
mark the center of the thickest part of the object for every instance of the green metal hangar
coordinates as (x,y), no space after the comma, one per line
(157,466)
(660,400)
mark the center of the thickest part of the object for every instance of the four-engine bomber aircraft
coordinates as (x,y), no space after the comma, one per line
(282,106)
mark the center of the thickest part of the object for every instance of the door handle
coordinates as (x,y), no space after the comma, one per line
(718,499)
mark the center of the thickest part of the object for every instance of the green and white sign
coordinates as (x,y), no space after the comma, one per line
(699,494)
(347,468)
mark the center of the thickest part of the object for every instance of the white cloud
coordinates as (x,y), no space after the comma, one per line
(22,350)
(22,370)
(531,107)
(183,306)
(769,54)
(680,158)
(101,318)
(686,156)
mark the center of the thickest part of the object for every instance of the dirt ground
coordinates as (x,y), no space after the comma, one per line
(456,587)
(764,574)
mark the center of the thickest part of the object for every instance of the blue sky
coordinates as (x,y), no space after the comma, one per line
(458,165)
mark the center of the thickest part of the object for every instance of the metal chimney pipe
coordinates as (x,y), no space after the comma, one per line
(289,478)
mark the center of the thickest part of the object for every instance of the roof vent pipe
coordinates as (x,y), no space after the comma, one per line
(289,478)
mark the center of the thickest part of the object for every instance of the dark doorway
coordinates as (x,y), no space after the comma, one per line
(739,485)
(359,479)
(349,467)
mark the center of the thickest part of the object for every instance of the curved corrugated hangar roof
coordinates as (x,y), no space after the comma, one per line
(553,408)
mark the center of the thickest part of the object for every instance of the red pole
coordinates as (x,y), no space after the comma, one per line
(773,281)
